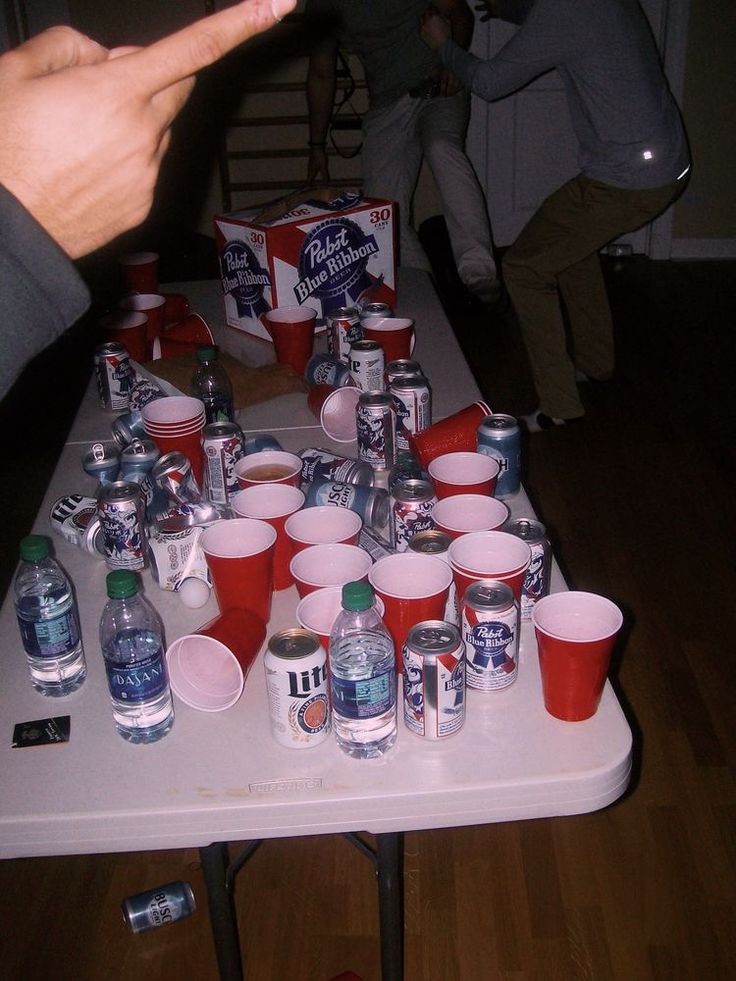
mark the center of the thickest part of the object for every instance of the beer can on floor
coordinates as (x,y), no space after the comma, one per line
(375,309)
(402,368)
(490,630)
(412,400)
(536,581)
(371,503)
(499,436)
(137,460)
(115,376)
(437,543)
(320,464)
(173,474)
(376,430)
(327,369)
(121,511)
(366,363)
(222,446)
(159,906)
(296,681)
(412,503)
(434,679)
(343,329)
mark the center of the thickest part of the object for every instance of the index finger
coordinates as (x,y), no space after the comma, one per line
(198,45)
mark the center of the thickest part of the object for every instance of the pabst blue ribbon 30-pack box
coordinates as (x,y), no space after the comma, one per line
(324,255)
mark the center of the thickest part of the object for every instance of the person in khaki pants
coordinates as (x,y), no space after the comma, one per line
(634,161)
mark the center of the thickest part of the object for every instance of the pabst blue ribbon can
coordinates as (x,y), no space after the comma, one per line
(343,329)
(366,362)
(114,376)
(437,543)
(222,445)
(412,503)
(412,401)
(490,630)
(327,369)
(319,464)
(296,682)
(499,436)
(376,430)
(121,511)
(173,473)
(536,581)
(434,679)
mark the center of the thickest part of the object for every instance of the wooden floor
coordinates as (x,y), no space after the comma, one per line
(639,499)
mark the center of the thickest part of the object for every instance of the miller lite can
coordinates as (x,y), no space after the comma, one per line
(343,329)
(412,401)
(114,374)
(437,543)
(536,581)
(412,503)
(434,679)
(159,906)
(75,518)
(376,430)
(490,630)
(366,361)
(121,511)
(499,436)
(222,446)
(296,682)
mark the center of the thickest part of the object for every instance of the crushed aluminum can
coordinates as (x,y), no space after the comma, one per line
(102,462)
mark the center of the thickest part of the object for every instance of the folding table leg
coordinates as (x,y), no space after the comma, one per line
(215,859)
(389,853)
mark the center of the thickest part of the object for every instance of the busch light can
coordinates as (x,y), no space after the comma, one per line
(159,906)
(260,442)
(343,329)
(128,427)
(137,460)
(327,369)
(499,436)
(402,368)
(376,430)
(319,464)
(434,679)
(75,518)
(375,309)
(490,630)
(412,400)
(101,462)
(173,474)
(114,375)
(437,543)
(222,445)
(371,503)
(366,363)
(296,682)
(121,511)
(536,581)
(412,503)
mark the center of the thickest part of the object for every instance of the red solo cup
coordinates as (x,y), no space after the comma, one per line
(152,304)
(576,632)
(292,333)
(140,272)
(172,411)
(335,409)
(489,555)
(239,555)
(176,309)
(323,525)
(164,347)
(318,610)
(413,588)
(396,335)
(273,503)
(458,432)
(191,329)
(127,327)
(190,444)
(464,513)
(463,473)
(328,565)
(208,669)
(268,467)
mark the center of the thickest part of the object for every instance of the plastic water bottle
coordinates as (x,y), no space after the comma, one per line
(48,620)
(211,384)
(132,641)
(362,676)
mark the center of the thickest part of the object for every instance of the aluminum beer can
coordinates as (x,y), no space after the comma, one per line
(262,441)
(375,309)
(343,329)
(121,511)
(145,390)
(536,581)
(327,369)
(173,474)
(412,401)
(222,445)
(402,367)
(128,427)
(490,630)
(296,681)
(437,543)
(102,462)
(412,503)
(371,503)
(376,430)
(114,375)
(74,517)
(159,906)
(320,464)
(405,468)
(137,460)
(434,679)
(499,436)
(366,363)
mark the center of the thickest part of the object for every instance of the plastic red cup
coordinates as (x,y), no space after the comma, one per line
(328,565)
(239,555)
(396,335)
(152,304)
(489,555)
(413,588)
(140,272)
(323,525)
(464,513)
(127,327)
(191,329)
(576,632)
(208,669)
(318,610)
(268,467)
(292,333)
(458,432)
(335,409)
(273,503)
(463,473)
(176,309)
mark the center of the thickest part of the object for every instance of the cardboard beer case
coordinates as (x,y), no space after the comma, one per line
(302,250)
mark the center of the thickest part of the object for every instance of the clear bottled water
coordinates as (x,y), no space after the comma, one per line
(48,621)
(131,637)
(362,676)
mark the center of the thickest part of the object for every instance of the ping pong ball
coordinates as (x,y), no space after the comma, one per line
(193,593)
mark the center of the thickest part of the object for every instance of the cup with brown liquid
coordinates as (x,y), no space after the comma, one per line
(268,467)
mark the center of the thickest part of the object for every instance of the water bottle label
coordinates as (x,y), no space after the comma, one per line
(364,698)
(140,681)
(50,638)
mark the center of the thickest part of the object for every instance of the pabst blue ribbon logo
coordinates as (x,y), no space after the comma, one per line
(534,579)
(243,279)
(490,641)
(333,260)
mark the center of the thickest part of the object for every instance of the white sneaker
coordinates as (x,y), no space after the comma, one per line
(537,421)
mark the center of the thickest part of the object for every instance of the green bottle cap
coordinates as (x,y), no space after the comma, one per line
(206,352)
(34,547)
(357,596)
(121,584)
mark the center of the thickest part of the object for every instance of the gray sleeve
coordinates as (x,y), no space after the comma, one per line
(41,293)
